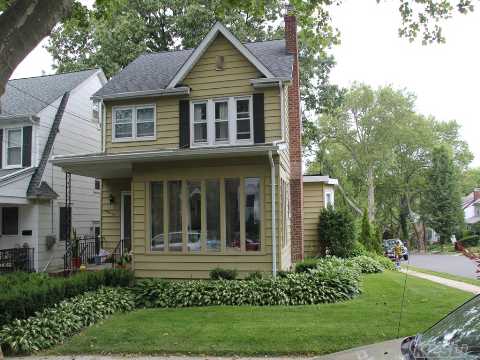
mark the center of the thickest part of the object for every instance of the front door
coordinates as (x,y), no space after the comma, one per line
(126,220)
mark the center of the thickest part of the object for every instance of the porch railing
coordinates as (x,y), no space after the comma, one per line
(17,259)
(123,247)
(88,248)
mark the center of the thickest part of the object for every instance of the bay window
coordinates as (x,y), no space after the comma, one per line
(14,147)
(225,121)
(133,123)
(218,215)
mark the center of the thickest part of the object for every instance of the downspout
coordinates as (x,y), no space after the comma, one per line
(282,109)
(274,230)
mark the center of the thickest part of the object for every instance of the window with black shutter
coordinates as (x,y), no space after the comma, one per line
(10,221)
(65,219)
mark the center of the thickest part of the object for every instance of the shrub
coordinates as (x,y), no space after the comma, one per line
(306,265)
(470,240)
(386,263)
(337,284)
(54,325)
(358,249)
(254,276)
(223,274)
(336,232)
(23,294)
(367,264)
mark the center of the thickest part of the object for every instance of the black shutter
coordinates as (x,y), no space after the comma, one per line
(27,146)
(184,124)
(1,147)
(258,119)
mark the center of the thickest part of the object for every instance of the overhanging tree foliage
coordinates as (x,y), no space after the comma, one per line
(441,201)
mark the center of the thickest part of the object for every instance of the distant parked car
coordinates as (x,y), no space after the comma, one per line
(389,248)
(456,336)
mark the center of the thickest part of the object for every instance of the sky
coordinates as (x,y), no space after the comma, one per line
(444,77)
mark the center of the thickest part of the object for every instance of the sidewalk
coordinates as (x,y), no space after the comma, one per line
(447,282)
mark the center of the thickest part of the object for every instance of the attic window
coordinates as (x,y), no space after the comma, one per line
(220,62)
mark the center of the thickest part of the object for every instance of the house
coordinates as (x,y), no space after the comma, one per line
(318,193)
(471,207)
(40,117)
(201,160)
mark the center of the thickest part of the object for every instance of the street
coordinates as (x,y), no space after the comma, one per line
(453,264)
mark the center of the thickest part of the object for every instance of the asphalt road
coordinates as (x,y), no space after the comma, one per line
(451,264)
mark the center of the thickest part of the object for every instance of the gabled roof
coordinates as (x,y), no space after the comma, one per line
(29,96)
(164,70)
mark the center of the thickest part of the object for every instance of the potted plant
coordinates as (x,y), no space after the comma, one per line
(76,260)
(124,261)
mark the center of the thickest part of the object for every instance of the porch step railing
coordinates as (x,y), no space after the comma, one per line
(88,248)
(123,247)
(17,259)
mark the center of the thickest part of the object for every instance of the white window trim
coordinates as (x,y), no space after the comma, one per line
(134,136)
(5,148)
(332,194)
(232,122)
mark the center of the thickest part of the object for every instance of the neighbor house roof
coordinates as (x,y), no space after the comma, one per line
(29,96)
(156,71)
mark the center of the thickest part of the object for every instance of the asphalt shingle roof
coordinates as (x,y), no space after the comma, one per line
(30,95)
(153,71)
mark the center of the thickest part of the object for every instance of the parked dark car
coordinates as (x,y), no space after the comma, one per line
(456,336)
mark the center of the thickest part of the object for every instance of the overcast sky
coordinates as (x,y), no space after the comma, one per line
(444,77)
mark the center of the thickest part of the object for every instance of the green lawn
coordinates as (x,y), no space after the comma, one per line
(316,329)
(445,275)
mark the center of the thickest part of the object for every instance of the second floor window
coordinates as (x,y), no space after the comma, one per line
(14,147)
(225,121)
(133,123)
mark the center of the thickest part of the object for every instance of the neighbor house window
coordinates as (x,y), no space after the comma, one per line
(227,121)
(10,221)
(194,215)
(97,185)
(134,123)
(14,147)
(213,215)
(156,206)
(175,239)
(65,219)
(252,214)
(329,199)
(232,213)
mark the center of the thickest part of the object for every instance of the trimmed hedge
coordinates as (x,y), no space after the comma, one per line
(54,325)
(22,295)
(330,285)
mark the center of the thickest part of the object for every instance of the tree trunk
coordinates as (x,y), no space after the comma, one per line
(371,195)
(22,26)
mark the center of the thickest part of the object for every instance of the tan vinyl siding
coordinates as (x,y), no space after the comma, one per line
(110,223)
(205,82)
(313,203)
(149,263)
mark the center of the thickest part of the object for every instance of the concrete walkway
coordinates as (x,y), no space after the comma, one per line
(447,282)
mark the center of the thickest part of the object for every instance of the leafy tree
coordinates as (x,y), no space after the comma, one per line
(366,233)
(470,180)
(336,232)
(441,200)
(23,24)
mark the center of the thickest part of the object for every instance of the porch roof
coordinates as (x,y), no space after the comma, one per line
(120,165)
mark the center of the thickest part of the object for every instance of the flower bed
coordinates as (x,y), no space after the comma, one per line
(334,284)
(54,325)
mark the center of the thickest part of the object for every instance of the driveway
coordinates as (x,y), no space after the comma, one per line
(454,264)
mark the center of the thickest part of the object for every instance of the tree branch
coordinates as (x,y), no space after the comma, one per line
(23,25)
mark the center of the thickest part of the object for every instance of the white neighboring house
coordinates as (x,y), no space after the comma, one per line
(471,207)
(40,117)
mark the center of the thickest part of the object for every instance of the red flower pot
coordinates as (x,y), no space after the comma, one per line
(76,262)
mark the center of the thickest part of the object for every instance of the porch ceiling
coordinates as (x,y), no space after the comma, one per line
(111,166)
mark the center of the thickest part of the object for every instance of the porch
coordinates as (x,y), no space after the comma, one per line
(17,259)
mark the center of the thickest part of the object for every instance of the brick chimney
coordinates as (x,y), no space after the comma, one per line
(295,138)
(476,194)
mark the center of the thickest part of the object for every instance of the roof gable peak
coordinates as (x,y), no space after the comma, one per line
(195,56)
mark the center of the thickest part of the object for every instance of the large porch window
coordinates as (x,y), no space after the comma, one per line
(198,212)
(9,221)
